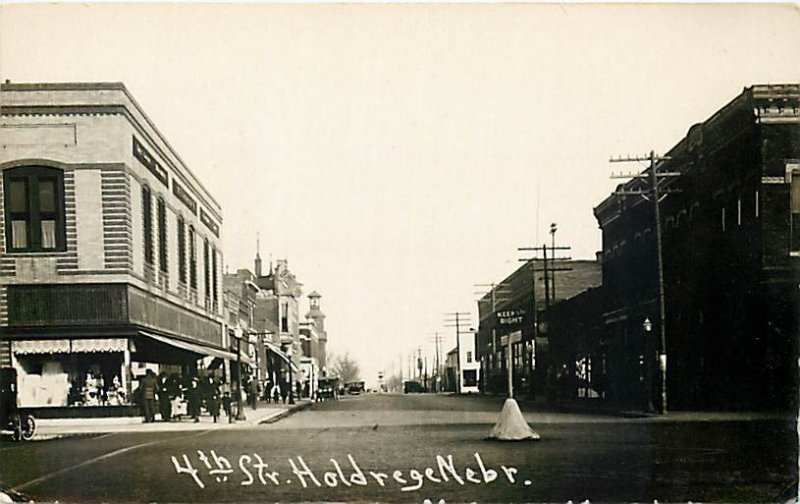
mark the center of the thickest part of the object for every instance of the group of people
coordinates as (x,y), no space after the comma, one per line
(276,392)
(175,396)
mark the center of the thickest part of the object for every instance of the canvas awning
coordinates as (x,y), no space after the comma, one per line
(198,349)
(54,346)
(277,351)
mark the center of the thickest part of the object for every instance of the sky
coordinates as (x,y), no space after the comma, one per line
(397,155)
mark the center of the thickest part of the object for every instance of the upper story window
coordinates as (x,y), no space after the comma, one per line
(34,209)
(206,270)
(181,250)
(469,356)
(162,235)
(285,318)
(192,259)
(147,212)
(214,280)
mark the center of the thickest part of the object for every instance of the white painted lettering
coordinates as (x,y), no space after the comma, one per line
(263,474)
(471,476)
(416,476)
(187,469)
(489,475)
(379,477)
(357,478)
(303,473)
(430,476)
(330,479)
(447,466)
(243,460)
(340,473)
(398,477)
(510,472)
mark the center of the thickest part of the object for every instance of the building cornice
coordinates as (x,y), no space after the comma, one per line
(108,105)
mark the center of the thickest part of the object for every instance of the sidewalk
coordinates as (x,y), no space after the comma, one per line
(600,409)
(265,413)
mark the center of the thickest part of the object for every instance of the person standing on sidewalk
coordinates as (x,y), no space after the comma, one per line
(164,404)
(252,392)
(149,386)
(193,398)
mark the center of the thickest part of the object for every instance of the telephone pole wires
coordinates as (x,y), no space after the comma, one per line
(456,319)
(655,194)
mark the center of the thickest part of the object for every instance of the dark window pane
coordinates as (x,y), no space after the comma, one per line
(192,259)
(18,192)
(47,195)
(181,250)
(147,209)
(162,235)
(206,269)
(796,193)
(34,209)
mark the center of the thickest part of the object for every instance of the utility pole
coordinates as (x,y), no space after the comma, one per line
(499,294)
(655,194)
(458,318)
(419,364)
(553,229)
(437,342)
(548,268)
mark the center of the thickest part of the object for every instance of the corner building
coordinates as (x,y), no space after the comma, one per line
(109,257)
(731,246)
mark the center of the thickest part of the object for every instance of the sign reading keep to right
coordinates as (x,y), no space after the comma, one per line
(510,317)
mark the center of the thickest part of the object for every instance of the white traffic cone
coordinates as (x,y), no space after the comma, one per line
(511,426)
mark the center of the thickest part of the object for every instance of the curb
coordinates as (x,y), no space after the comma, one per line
(285,413)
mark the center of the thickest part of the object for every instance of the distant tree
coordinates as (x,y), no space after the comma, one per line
(344,367)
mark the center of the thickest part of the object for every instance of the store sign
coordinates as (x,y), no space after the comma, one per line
(140,153)
(182,195)
(510,317)
(209,223)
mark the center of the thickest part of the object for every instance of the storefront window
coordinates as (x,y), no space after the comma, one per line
(58,373)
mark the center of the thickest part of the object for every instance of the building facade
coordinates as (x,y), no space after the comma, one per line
(517,310)
(110,254)
(317,340)
(731,245)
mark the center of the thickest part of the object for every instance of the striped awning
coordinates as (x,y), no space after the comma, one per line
(54,346)
(277,351)
(195,348)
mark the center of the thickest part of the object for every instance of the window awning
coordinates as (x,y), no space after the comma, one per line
(54,346)
(198,349)
(277,351)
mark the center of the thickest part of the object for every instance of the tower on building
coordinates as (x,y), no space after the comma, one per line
(258,256)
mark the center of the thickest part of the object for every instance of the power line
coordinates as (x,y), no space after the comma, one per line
(459,317)
(655,194)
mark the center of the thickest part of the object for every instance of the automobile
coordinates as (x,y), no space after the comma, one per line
(355,387)
(327,388)
(14,420)
(413,387)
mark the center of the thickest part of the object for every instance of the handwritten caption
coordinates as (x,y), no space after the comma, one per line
(251,469)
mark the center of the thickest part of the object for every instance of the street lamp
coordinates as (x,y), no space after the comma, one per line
(238,333)
(289,352)
(647,325)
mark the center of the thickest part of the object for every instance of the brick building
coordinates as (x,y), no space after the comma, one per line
(110,256)
(507,312)
(731,246)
